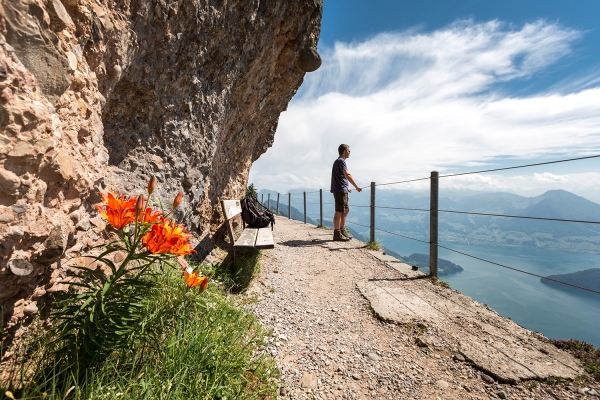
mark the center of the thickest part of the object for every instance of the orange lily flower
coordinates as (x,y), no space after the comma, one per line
(149,216)
(120,211)
(191,277)
(168,237)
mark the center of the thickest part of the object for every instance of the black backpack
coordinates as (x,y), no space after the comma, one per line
(253,217)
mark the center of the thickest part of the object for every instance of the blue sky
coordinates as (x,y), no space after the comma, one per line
(354,20)
(447,85)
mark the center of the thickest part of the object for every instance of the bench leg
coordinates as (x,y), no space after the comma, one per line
(233,257)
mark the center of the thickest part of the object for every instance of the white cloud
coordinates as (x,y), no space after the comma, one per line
(548,177)
(409,103)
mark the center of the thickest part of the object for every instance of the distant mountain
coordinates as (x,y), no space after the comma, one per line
(501,231)
(588,278)
(556,204)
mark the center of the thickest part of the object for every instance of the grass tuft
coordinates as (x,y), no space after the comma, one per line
(208,348)
(236,278)
(376,246)
(438,282)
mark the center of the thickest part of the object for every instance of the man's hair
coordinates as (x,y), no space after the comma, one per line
(342,148)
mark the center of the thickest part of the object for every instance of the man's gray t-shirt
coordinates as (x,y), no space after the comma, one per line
(339,183)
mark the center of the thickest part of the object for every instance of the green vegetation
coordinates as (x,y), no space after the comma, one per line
(251,191)
(587,353)
(438,282)
(204,347)
(236,278)
(376,246)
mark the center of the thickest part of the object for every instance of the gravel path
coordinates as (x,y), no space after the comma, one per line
(328,344)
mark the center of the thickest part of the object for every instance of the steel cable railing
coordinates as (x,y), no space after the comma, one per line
(483,259)
(487,214)
(433,210)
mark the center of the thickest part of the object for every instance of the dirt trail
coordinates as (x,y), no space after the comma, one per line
(329,342)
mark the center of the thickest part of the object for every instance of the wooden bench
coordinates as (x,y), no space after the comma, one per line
(251,238)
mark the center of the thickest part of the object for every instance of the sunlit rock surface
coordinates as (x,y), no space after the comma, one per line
(102,95)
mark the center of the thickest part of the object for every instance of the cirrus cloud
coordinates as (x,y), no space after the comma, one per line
(412,102)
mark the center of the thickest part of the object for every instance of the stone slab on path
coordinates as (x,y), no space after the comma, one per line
(383,257)
(405,269)
(496,345)
(328,343)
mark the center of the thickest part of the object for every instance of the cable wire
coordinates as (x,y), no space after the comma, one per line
(520,166)
(519,270)
(489,170)
(398,234)
(354,223)
(522,217)
(402,208)
(492,215)
(395,183)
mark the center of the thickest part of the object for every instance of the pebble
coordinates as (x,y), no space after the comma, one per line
(501,395)
(442,384)
(487,378)
(308,381)
(459,357)
(6,218)
(31,309)
(20,208)
(374,357)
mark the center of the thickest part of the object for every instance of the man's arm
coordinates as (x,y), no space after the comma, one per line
(351,180)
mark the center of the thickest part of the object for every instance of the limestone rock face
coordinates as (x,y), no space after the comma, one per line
(98,96)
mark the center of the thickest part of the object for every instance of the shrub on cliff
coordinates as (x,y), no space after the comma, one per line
(251,191)
(589,356)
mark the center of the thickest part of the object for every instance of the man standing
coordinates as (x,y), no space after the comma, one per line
(340,176)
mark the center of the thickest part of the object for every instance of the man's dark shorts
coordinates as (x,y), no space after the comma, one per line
(341,202)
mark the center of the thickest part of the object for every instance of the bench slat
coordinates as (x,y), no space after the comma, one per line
(231,208)
(264,239)
(247,239)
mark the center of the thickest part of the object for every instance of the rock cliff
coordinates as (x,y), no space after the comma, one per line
(102,94)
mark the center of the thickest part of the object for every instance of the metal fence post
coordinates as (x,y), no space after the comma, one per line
(277,207)
(262,199)
(269,201)
(372,236)
(304,207)
(433,224)
(289,205)
(321,205)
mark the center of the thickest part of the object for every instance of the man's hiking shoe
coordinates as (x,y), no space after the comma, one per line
(338,237)
(345,234)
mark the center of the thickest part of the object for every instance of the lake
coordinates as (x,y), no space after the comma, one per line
(557,313)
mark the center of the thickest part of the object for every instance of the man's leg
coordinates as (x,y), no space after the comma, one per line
(343,225)
(337,220)
(343,219)
(339,217)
